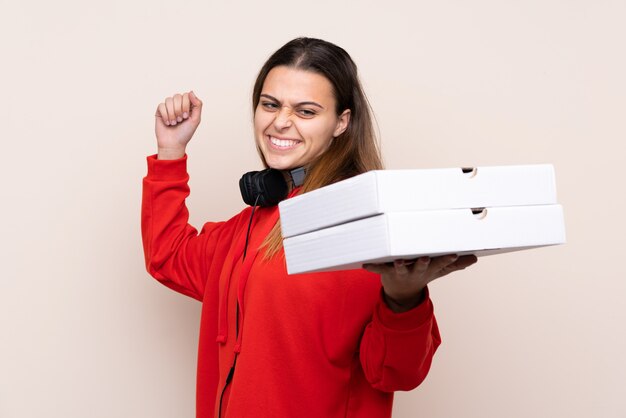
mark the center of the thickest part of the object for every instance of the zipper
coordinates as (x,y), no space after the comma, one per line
(229,378)
(231,372)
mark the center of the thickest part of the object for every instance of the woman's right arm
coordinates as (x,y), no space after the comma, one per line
(175,253)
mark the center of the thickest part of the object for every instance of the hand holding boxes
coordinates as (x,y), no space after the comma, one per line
(384,215)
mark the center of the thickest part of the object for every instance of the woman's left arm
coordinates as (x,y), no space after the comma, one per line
(399,343)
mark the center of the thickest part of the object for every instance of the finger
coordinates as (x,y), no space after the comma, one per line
(439,263)
(376,268)
(171,115)
(421,265)
(196,106)
(178,107)
(462,263)
(186,105)
(465,261)
(195,101)
(400,267)
(161,114)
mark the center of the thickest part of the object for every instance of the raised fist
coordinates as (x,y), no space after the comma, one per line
(176,120)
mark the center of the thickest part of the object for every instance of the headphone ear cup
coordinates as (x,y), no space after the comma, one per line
(268,185)
(246,187)
(273,187)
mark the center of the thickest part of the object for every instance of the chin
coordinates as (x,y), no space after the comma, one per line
(280,165)
(280,162)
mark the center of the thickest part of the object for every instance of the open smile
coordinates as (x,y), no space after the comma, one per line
(282,143)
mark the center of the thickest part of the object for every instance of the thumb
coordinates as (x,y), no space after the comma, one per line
(375,268)
(195,102)
(196,106)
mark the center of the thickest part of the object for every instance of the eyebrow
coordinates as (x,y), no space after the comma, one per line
(297,104)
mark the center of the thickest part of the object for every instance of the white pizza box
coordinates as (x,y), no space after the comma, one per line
(380,191)
(409,235)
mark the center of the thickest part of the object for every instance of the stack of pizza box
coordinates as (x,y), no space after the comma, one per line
(383,215)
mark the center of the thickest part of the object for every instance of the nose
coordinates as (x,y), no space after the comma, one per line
(283,118)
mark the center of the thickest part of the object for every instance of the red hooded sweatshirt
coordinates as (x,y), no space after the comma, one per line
(274,345)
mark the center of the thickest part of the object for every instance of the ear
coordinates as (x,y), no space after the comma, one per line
(342,123)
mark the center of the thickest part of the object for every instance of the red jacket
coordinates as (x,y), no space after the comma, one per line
(307,345)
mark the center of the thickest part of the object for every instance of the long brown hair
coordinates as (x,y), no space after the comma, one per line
(353,152)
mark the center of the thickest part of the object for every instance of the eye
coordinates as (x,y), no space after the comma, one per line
(307,112)
(269,105)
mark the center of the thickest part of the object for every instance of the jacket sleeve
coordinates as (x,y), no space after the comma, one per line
(175,254)
(397,348)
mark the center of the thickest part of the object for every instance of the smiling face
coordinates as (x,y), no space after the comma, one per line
(295,120)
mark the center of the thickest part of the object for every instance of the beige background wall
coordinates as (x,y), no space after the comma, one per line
(84,332)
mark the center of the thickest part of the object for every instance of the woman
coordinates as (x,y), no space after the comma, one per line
(335,344)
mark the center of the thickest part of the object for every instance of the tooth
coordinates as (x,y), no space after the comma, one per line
(284,143)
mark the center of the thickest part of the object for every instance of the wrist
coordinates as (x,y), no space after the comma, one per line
(403,304)
(170,153)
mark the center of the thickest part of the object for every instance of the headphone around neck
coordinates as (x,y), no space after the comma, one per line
(268,187)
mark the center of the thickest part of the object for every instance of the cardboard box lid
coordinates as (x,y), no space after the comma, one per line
(382,191)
